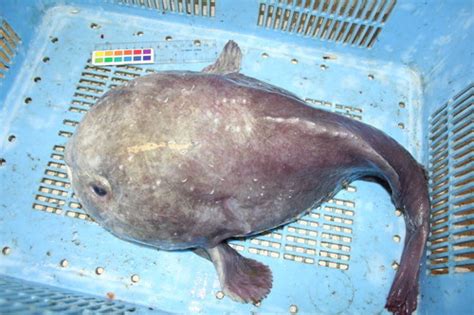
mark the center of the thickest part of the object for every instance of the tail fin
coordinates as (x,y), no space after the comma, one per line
(408,182)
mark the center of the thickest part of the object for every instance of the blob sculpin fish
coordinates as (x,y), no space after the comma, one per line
(186,160)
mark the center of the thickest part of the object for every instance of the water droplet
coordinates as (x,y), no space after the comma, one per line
(184,180)
(255,180)
(158,182)
(290,196)
(261,194)
(263,187)
(212,192)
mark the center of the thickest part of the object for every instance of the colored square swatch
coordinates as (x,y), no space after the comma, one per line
(114,57)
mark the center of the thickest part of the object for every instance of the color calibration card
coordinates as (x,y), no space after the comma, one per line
(123,57)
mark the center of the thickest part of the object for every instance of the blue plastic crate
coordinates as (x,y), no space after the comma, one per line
(403,66)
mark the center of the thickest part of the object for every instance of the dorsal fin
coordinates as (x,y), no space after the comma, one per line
(228,61)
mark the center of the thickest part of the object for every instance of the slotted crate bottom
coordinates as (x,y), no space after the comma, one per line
(339,258)
(23,297)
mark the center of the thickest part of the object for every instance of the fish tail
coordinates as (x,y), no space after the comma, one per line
(409,187)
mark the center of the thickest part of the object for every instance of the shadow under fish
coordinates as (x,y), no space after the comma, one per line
(186,160)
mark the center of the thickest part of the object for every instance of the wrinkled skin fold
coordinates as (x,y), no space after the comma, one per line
(186,160)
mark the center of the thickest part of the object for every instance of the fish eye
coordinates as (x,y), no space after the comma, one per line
(99,190)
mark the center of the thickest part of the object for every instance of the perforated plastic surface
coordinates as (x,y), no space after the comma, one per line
(338,259)
(352,22)
(23,297)
(452,185)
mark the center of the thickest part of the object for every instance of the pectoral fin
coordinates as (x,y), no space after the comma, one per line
(242,279)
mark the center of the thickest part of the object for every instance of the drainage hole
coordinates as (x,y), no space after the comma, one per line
(6,251)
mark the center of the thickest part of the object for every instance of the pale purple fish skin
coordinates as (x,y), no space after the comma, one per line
(180,159)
